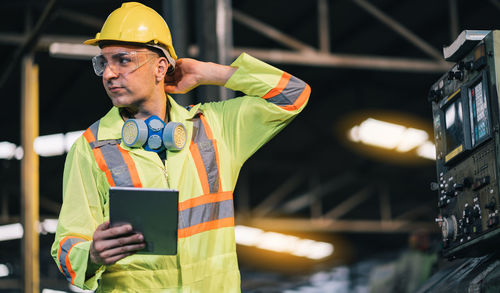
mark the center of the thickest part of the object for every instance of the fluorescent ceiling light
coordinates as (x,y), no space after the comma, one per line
(7,150)
(45,146)
(50,145)
(282,243)
(70,138)
(427,150)
(412,138)
(11,231)
(389,136)
(48,226)
(4,270)
(73,51)
(380,133)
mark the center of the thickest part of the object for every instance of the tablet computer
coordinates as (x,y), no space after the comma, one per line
(153,212)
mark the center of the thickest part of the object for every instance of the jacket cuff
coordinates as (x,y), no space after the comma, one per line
(87,273)
(256,78)
(253,77)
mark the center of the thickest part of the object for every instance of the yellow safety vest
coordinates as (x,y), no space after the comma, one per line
(222,136)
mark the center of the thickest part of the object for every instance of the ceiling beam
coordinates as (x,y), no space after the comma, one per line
(279,56)
(29,43)
(81,18)
(270,32)
(320,190)
(349,203)
(346,61)
(271,201)
(400,29)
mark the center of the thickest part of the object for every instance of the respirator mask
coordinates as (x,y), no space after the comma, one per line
(153,134)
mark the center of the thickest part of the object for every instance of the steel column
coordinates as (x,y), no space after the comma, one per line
(453,20)
(175,14)
(215,41)
(30,175)
(324,26)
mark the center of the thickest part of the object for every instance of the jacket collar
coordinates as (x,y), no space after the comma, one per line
(110,126)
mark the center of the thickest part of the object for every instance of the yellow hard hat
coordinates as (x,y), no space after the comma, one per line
(136,23)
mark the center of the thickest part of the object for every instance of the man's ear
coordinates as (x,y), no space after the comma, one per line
(161,69)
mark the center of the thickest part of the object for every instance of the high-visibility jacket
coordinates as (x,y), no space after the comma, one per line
(221,136)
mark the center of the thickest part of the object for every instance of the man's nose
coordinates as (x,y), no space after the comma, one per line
(108,73)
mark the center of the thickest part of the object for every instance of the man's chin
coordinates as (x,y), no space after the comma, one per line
(119,101)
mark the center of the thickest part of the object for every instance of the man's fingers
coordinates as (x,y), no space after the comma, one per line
(112,232)
(103,226)
(103,245)
(126,249)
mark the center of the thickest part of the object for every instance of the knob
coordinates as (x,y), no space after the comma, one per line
(469,65)
(491,205)
(476,212)
(451,75)
(467,182)
(459,75)
(492,221)
(449,228)
(435,95)
(458,186)
(465,65)
(434,186)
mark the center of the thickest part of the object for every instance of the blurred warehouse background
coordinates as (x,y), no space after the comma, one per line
(329,204)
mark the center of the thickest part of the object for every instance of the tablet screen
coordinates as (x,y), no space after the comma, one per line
(153,212)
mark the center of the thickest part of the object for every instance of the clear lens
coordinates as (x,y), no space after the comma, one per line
(99,63)
(121,62)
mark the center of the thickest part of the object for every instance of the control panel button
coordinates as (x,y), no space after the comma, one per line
(481,182)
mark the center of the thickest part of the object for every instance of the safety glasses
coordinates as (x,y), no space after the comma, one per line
(121,62)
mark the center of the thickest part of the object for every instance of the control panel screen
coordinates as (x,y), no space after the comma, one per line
(454,128)
(480,125)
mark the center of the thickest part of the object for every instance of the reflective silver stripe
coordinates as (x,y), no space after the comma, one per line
(94,128)
(113,158)
(116,165)
(207,152)
(206,213)
(64,253)
(290,93)
(100,143)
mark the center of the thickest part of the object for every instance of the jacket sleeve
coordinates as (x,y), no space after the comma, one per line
(81,212)
(272,99)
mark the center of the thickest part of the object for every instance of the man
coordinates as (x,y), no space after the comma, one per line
(137,67)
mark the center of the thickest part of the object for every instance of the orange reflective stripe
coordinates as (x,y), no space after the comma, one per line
(89,136)
(208,131)
(300,100)
(134,175)
(68,266)
(280,87)
(206,226)
(204,199)
(99,157)
(202,174)
(66,269)
(103,166)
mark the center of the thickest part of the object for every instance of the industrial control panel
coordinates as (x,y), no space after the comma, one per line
(465,110)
